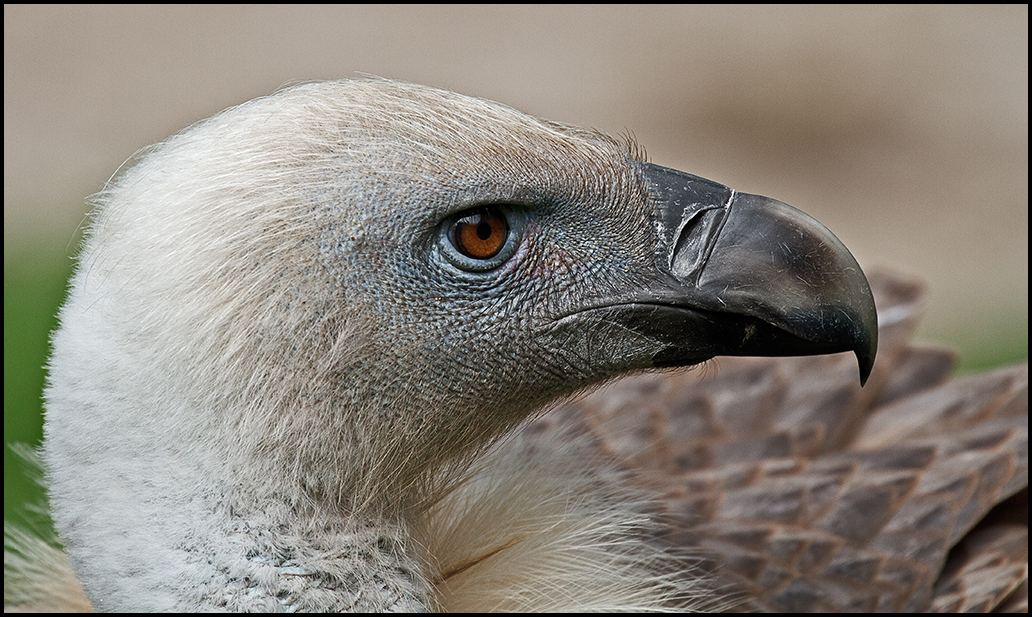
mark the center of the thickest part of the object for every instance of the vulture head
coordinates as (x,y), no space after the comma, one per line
(296,326)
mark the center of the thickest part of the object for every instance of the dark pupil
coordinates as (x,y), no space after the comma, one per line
(484,231)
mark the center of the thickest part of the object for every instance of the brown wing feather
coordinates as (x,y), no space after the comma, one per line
(806,492)
(988,569)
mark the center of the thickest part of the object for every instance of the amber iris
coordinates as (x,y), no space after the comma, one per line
(479,233)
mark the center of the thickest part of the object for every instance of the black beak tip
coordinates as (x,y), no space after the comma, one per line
(865,329)
(868,348)
(866,352)
(865,360)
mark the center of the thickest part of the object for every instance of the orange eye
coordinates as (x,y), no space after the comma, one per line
(479,233)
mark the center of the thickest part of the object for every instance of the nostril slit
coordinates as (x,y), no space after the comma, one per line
(693,243)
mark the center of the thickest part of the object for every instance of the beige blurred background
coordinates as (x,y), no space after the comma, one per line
(903,129)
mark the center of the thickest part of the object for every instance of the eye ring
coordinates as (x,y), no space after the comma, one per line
(479,233)
(481,238)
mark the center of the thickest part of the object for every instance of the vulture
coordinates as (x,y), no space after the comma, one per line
(348,347)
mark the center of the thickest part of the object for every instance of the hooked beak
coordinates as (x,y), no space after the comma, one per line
(746,275)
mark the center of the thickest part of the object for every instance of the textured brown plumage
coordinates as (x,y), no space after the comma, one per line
(805,492)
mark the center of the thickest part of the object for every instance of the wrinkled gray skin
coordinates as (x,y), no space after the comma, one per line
(272,359)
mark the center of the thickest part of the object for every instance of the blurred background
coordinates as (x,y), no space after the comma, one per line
(904,129)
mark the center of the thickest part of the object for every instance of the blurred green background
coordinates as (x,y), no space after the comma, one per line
(903,128)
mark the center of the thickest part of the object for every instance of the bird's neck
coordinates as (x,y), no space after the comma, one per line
(307,543)
(283,557)
(244,553)
(197,526)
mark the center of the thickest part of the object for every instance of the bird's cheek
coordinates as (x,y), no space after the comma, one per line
(586,349)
